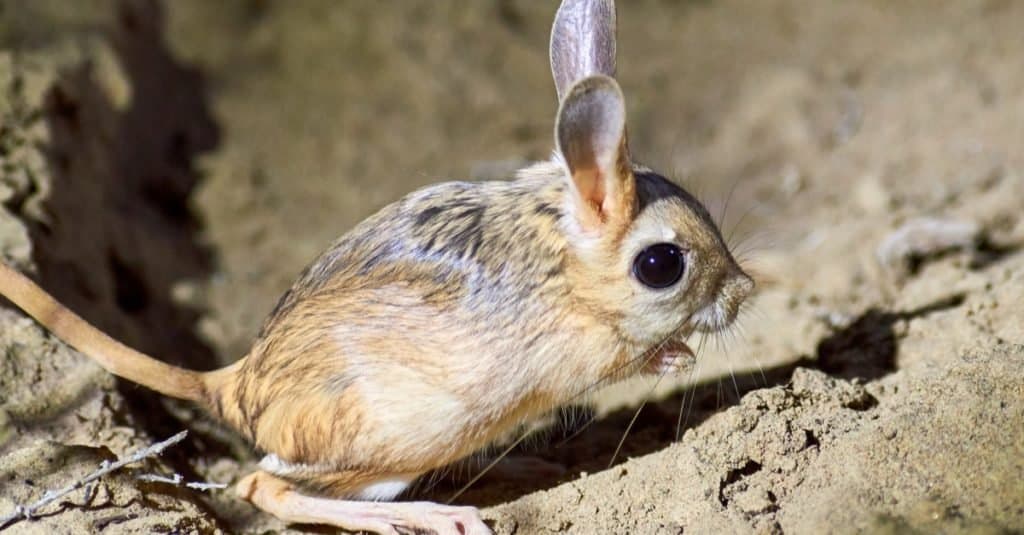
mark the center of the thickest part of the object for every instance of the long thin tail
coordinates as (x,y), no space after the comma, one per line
(114,356)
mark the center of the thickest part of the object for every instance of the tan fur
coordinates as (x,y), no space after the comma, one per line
(461,311)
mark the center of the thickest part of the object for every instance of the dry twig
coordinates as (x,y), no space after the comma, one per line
(22,512)
(177,480)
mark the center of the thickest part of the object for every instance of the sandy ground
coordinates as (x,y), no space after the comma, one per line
(166,170)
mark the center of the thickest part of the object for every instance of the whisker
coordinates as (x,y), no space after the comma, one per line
(732,372)
(629,427)
(760,367)
(684,404)
(488,467)
(750,242)
(718,395)
(636,414)
(728,197)
(703,340)
(693,399)
(736,226)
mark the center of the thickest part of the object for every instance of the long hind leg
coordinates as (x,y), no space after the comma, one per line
(279,498)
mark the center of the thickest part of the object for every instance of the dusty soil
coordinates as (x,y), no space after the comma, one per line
(166,170)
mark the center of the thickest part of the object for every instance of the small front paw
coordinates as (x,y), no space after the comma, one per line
(672,359)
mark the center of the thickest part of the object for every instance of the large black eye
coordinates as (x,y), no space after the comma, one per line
(659,266)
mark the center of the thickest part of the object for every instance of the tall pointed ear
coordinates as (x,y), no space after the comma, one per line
(582,42)
(591,136)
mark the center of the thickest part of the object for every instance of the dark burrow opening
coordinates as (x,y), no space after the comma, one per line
(118,232)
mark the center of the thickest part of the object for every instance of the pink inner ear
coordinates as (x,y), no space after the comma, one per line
(591,187)
(594,197)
